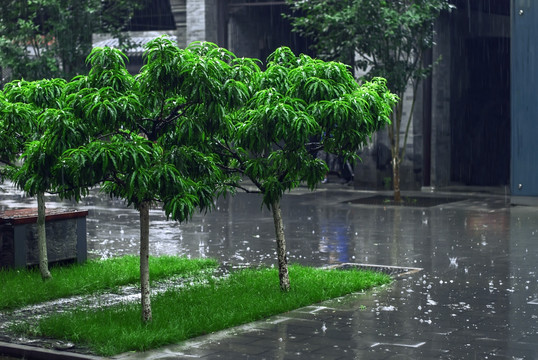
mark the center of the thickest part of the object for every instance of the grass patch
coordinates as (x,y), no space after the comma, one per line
(244,296)
(22,287)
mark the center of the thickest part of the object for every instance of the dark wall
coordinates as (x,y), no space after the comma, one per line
(155,15)
(480,123)
(480,93)
(256,29)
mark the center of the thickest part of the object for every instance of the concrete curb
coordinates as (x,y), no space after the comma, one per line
(36,353)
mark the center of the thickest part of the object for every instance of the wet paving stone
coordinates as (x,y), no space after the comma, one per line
(476,295)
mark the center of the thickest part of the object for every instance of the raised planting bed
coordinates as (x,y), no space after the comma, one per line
(66,236)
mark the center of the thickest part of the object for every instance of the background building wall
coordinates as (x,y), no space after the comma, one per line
(179,12)
(469,131)
(441,79)
(257,28)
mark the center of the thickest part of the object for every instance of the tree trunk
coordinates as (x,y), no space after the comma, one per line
(394,135)
(42,238)
(281,247)
(144,262)
(396,179)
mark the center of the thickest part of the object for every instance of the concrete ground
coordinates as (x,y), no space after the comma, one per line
(476,296)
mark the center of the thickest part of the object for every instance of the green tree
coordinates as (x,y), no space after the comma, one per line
(272,140)
(52,38)
(149,134)
(383,38)
(30,111)
(44,39)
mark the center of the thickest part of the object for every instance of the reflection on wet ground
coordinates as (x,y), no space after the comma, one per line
(476,297)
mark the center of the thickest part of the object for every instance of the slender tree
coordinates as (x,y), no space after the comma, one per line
(298,99)
(33,109)
(150,132)
(381,38)
(44,39)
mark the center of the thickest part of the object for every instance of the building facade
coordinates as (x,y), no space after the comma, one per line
(474,123)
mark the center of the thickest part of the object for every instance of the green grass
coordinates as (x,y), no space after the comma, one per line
(24,287)
(244,296)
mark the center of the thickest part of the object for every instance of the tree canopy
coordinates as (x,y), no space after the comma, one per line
(300,105)
(382,38)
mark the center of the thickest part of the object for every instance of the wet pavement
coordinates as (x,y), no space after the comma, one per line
(476,296)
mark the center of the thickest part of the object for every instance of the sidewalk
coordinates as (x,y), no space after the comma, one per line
(476,296)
